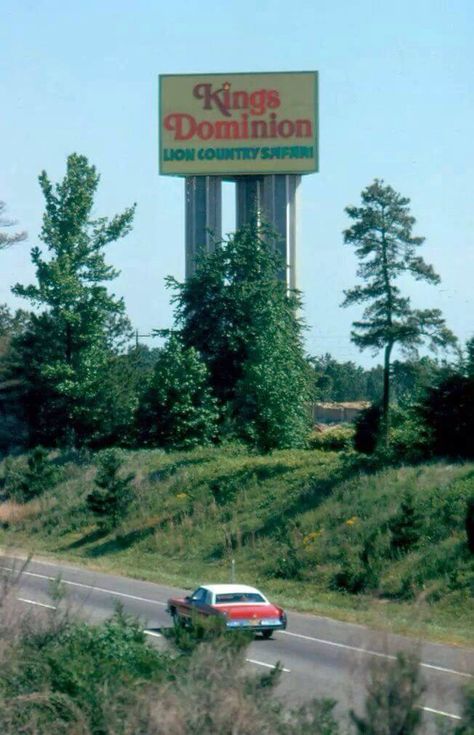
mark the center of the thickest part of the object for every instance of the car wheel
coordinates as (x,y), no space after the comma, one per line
(267,634)
(177,621)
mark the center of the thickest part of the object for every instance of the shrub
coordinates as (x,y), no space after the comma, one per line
(405,525)
(23,482)
(110,500)
(466,726)
(393,699)
(335,439)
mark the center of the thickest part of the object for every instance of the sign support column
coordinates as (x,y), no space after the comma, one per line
(272,199)
(203,215)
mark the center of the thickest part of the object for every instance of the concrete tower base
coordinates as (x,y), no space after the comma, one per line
(203,196)
(272,199)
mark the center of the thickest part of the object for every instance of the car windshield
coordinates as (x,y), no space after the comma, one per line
(230,597)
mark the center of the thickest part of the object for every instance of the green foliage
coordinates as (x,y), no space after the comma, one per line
(367,429)
(23,482)
(392,705)
(382,236)
(239,316)
(110,500)
(466,725)
(360,565)
(448,412)
(405,526)
(335,439)
(469,523)
(69,674)
(177,408)
(345,381)
(65,355)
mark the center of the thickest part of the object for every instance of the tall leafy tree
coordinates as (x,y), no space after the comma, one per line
(243,321)
(8,238)
(79,325)
(177,409)
(382,234)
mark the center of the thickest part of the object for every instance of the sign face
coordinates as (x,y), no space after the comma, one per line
(237,124)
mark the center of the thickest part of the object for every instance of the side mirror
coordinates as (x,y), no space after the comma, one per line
(187,598)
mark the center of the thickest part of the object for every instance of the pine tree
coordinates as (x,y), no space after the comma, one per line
(386,248)
(242,320)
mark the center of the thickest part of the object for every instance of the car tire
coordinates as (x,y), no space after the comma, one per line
(177,620)
(267,634)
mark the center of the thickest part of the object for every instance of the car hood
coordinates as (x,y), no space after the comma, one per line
(239,612)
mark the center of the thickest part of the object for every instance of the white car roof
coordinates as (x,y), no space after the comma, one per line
(222,589)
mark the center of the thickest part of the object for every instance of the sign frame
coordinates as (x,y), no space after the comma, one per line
(230,174)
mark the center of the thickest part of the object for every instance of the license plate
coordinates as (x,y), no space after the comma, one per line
(270,621)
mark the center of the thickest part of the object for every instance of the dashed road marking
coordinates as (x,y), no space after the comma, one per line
(440,712)
(268,666)
(34,602)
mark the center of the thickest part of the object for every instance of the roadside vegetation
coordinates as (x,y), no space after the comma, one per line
(322,530)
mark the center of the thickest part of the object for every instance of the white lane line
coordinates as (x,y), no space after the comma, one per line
(91,587)
(34,602)
(268,666)
(440,712)
(152,632)
(368,652)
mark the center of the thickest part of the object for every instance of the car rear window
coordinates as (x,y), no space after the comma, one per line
(230,597)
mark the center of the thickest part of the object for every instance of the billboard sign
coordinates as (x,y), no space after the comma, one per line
(238,124)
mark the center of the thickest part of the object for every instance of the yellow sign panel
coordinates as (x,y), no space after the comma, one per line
(237,124)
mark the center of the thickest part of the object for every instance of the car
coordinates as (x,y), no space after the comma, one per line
(242,608)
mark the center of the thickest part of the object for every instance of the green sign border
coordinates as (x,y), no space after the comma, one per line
(234,174)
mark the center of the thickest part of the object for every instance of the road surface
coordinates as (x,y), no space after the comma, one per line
(321,657)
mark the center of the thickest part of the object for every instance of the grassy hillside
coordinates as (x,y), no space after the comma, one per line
(302,524)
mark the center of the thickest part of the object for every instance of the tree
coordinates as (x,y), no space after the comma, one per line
(7,239)
(243,322)
(178,409)
(447,410)
(386,248)
(110,499)
(66,353)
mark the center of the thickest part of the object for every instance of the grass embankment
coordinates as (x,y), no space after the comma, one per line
(304,525)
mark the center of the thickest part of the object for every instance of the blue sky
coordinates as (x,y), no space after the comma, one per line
(396,102)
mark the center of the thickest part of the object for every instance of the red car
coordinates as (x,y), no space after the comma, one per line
(242,607)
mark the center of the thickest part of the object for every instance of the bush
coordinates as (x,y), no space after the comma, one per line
(336,439)
(466,726)
(393,699)
(23,482)
(60,675)
(405,525)
(112,496)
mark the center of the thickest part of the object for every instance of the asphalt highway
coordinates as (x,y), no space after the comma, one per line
(321,657)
